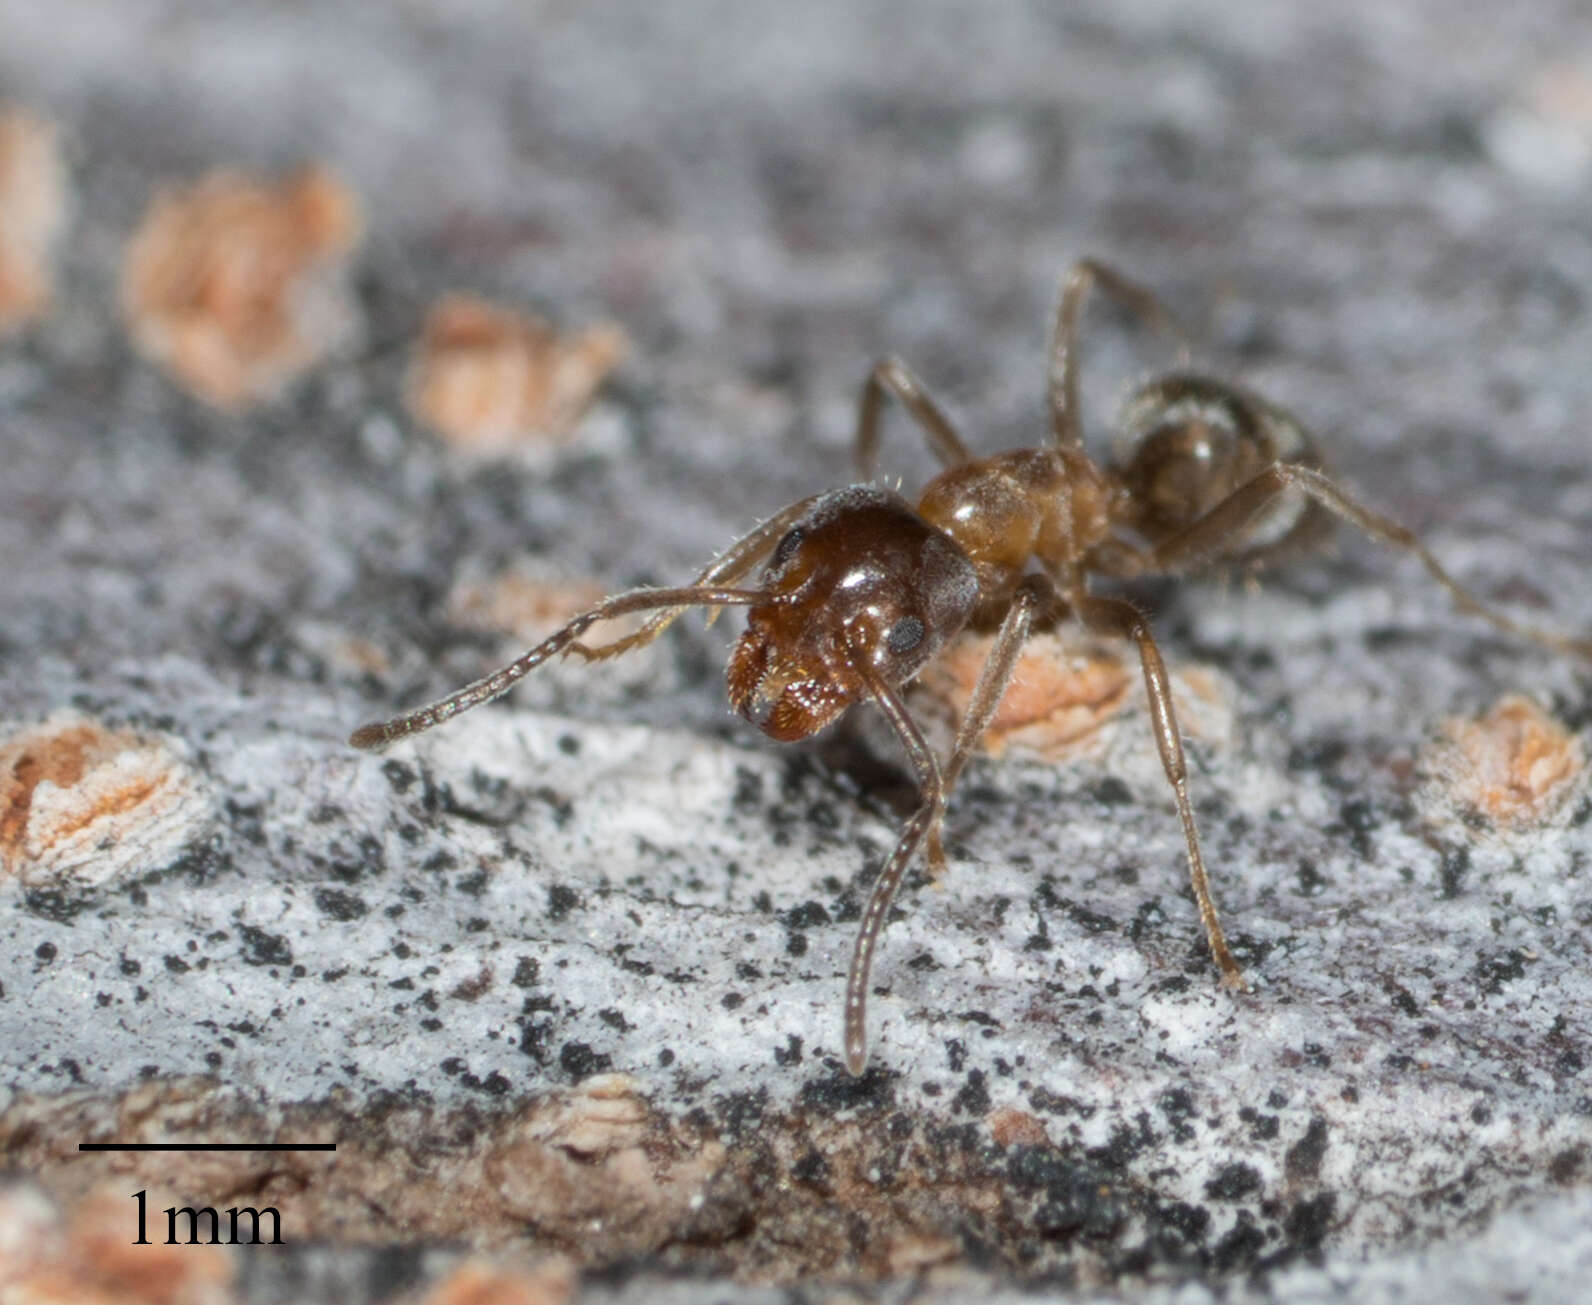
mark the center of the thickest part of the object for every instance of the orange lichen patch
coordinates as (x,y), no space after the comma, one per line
(99,1245)
(361,655)
(552,1283)
(78,801)
(530,603)
(1009,1126)
(33,212)
(1514,765)
(1067,693)
(1560,92)
(94,1260)
(1060,695)
(237,287)
(493,381)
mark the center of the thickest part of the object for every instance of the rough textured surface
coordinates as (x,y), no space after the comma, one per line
(444,957)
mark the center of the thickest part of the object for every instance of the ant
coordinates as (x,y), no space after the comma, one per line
(861,589)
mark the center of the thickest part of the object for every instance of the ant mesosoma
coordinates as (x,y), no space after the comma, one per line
(862,589)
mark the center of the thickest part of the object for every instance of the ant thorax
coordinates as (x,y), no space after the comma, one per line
(1050,504)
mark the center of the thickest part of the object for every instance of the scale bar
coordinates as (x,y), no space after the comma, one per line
(207,1146)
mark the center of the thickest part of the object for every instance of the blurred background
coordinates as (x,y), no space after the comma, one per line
(766,199)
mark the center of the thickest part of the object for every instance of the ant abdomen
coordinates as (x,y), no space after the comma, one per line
(1185,442)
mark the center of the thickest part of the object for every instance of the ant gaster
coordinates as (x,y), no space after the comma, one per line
(862,589)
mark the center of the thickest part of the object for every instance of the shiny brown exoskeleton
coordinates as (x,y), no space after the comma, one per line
(861,589)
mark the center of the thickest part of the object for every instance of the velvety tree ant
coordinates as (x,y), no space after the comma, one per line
(861,588)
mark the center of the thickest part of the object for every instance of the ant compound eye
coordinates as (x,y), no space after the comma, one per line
(905,635)
(786,548)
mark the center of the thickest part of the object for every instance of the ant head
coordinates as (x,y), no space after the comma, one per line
(860,589)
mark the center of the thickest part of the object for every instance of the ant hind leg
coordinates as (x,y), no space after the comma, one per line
(1231,517)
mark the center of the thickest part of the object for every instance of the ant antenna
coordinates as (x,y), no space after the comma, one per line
(379,734)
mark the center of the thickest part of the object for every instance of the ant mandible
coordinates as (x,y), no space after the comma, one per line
(862,589)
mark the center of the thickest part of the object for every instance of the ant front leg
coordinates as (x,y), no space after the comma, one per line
(1113,616)
(1036,596)
(892,376)
(1230,518)
(931,793)
(1062,379)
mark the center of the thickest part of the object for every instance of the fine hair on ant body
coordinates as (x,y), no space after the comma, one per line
(860,589)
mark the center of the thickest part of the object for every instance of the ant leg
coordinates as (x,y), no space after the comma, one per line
(1114,616)
(1233,514)
(932,802)
(1062,379)
(730,567)
(495,685)
(1035,596)
(893,376)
